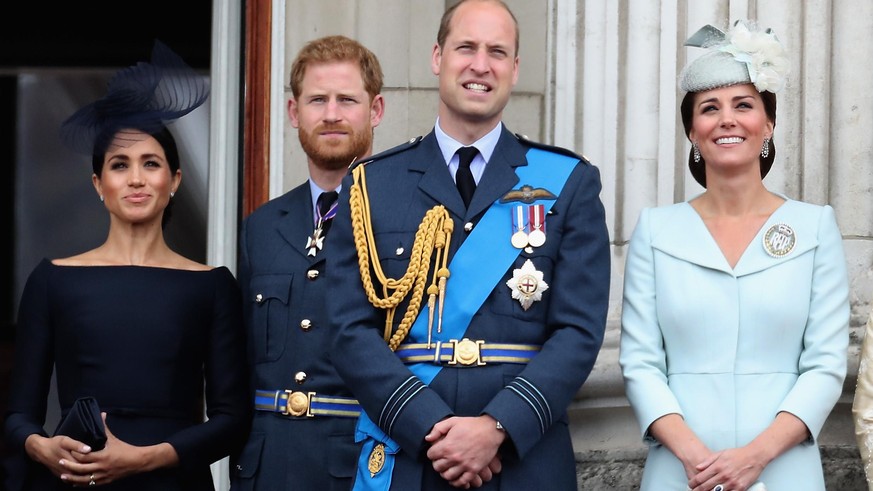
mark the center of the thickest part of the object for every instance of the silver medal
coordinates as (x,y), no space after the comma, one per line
(519,239)
(537,238)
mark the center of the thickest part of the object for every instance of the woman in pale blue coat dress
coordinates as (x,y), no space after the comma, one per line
(735,315)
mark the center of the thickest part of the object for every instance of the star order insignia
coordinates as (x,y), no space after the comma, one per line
(527,284)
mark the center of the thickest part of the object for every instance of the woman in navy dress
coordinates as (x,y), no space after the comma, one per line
(155,337)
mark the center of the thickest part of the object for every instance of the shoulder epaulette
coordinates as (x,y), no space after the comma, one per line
(551,148)
(387,153)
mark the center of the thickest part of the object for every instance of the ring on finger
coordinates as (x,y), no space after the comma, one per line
(718,487)
(92,482)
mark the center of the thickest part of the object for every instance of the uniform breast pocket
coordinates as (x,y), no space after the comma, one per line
(394,251)
(269,310)
(523,292)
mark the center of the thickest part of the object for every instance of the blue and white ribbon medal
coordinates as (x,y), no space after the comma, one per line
(519,237)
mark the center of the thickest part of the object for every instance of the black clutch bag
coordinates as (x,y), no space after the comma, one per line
(83,423)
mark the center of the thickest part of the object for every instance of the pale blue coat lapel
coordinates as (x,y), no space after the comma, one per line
(686,237)
(790,213)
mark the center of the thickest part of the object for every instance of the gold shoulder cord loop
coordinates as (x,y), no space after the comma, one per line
(433,235)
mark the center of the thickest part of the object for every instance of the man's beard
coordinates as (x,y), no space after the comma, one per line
(338,154)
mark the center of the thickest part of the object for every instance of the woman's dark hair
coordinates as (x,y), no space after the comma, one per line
(164,138)
(698,169)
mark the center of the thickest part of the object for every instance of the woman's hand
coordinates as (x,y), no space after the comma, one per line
(734,469)
(56,452)
(117,460)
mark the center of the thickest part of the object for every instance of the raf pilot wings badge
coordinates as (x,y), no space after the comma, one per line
(527,194)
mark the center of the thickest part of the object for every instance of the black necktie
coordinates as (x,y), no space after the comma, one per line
(464,177)
(326,205)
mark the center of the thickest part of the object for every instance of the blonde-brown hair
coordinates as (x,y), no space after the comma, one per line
(331,49)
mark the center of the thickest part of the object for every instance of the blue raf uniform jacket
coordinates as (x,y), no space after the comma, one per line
(569,321)
(284,293)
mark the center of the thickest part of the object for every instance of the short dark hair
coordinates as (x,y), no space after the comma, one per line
(698,169)
(443,32)
(336,49)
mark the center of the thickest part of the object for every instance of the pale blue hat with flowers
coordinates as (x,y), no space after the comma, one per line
(743,55)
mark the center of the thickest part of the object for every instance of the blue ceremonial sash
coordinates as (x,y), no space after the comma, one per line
(368,432)
(479,273)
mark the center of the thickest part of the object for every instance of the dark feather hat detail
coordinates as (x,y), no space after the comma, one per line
(145,97)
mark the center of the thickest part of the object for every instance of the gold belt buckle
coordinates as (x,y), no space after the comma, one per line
(467,352)
(298,403)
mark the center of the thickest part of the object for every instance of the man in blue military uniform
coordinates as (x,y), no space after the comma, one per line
(471,274)
(303,429)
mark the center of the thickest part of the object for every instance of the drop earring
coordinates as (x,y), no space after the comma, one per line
(696,151)
(765,149)
(172,194)
(101,198)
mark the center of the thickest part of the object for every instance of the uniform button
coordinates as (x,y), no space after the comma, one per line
(259,298)
(305,324)
(468,227)
(399,251)
(300,377)
(312,274)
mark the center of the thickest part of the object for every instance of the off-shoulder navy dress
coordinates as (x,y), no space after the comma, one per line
(143,341)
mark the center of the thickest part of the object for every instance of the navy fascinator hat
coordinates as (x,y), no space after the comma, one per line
(142,97)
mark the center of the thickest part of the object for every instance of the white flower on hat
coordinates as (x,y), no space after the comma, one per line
(762,54)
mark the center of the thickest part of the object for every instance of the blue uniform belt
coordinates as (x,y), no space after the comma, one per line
(308,404)
(466,352)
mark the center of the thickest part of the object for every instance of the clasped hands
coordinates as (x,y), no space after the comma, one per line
(464,450)
(734,469)
(74,462)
